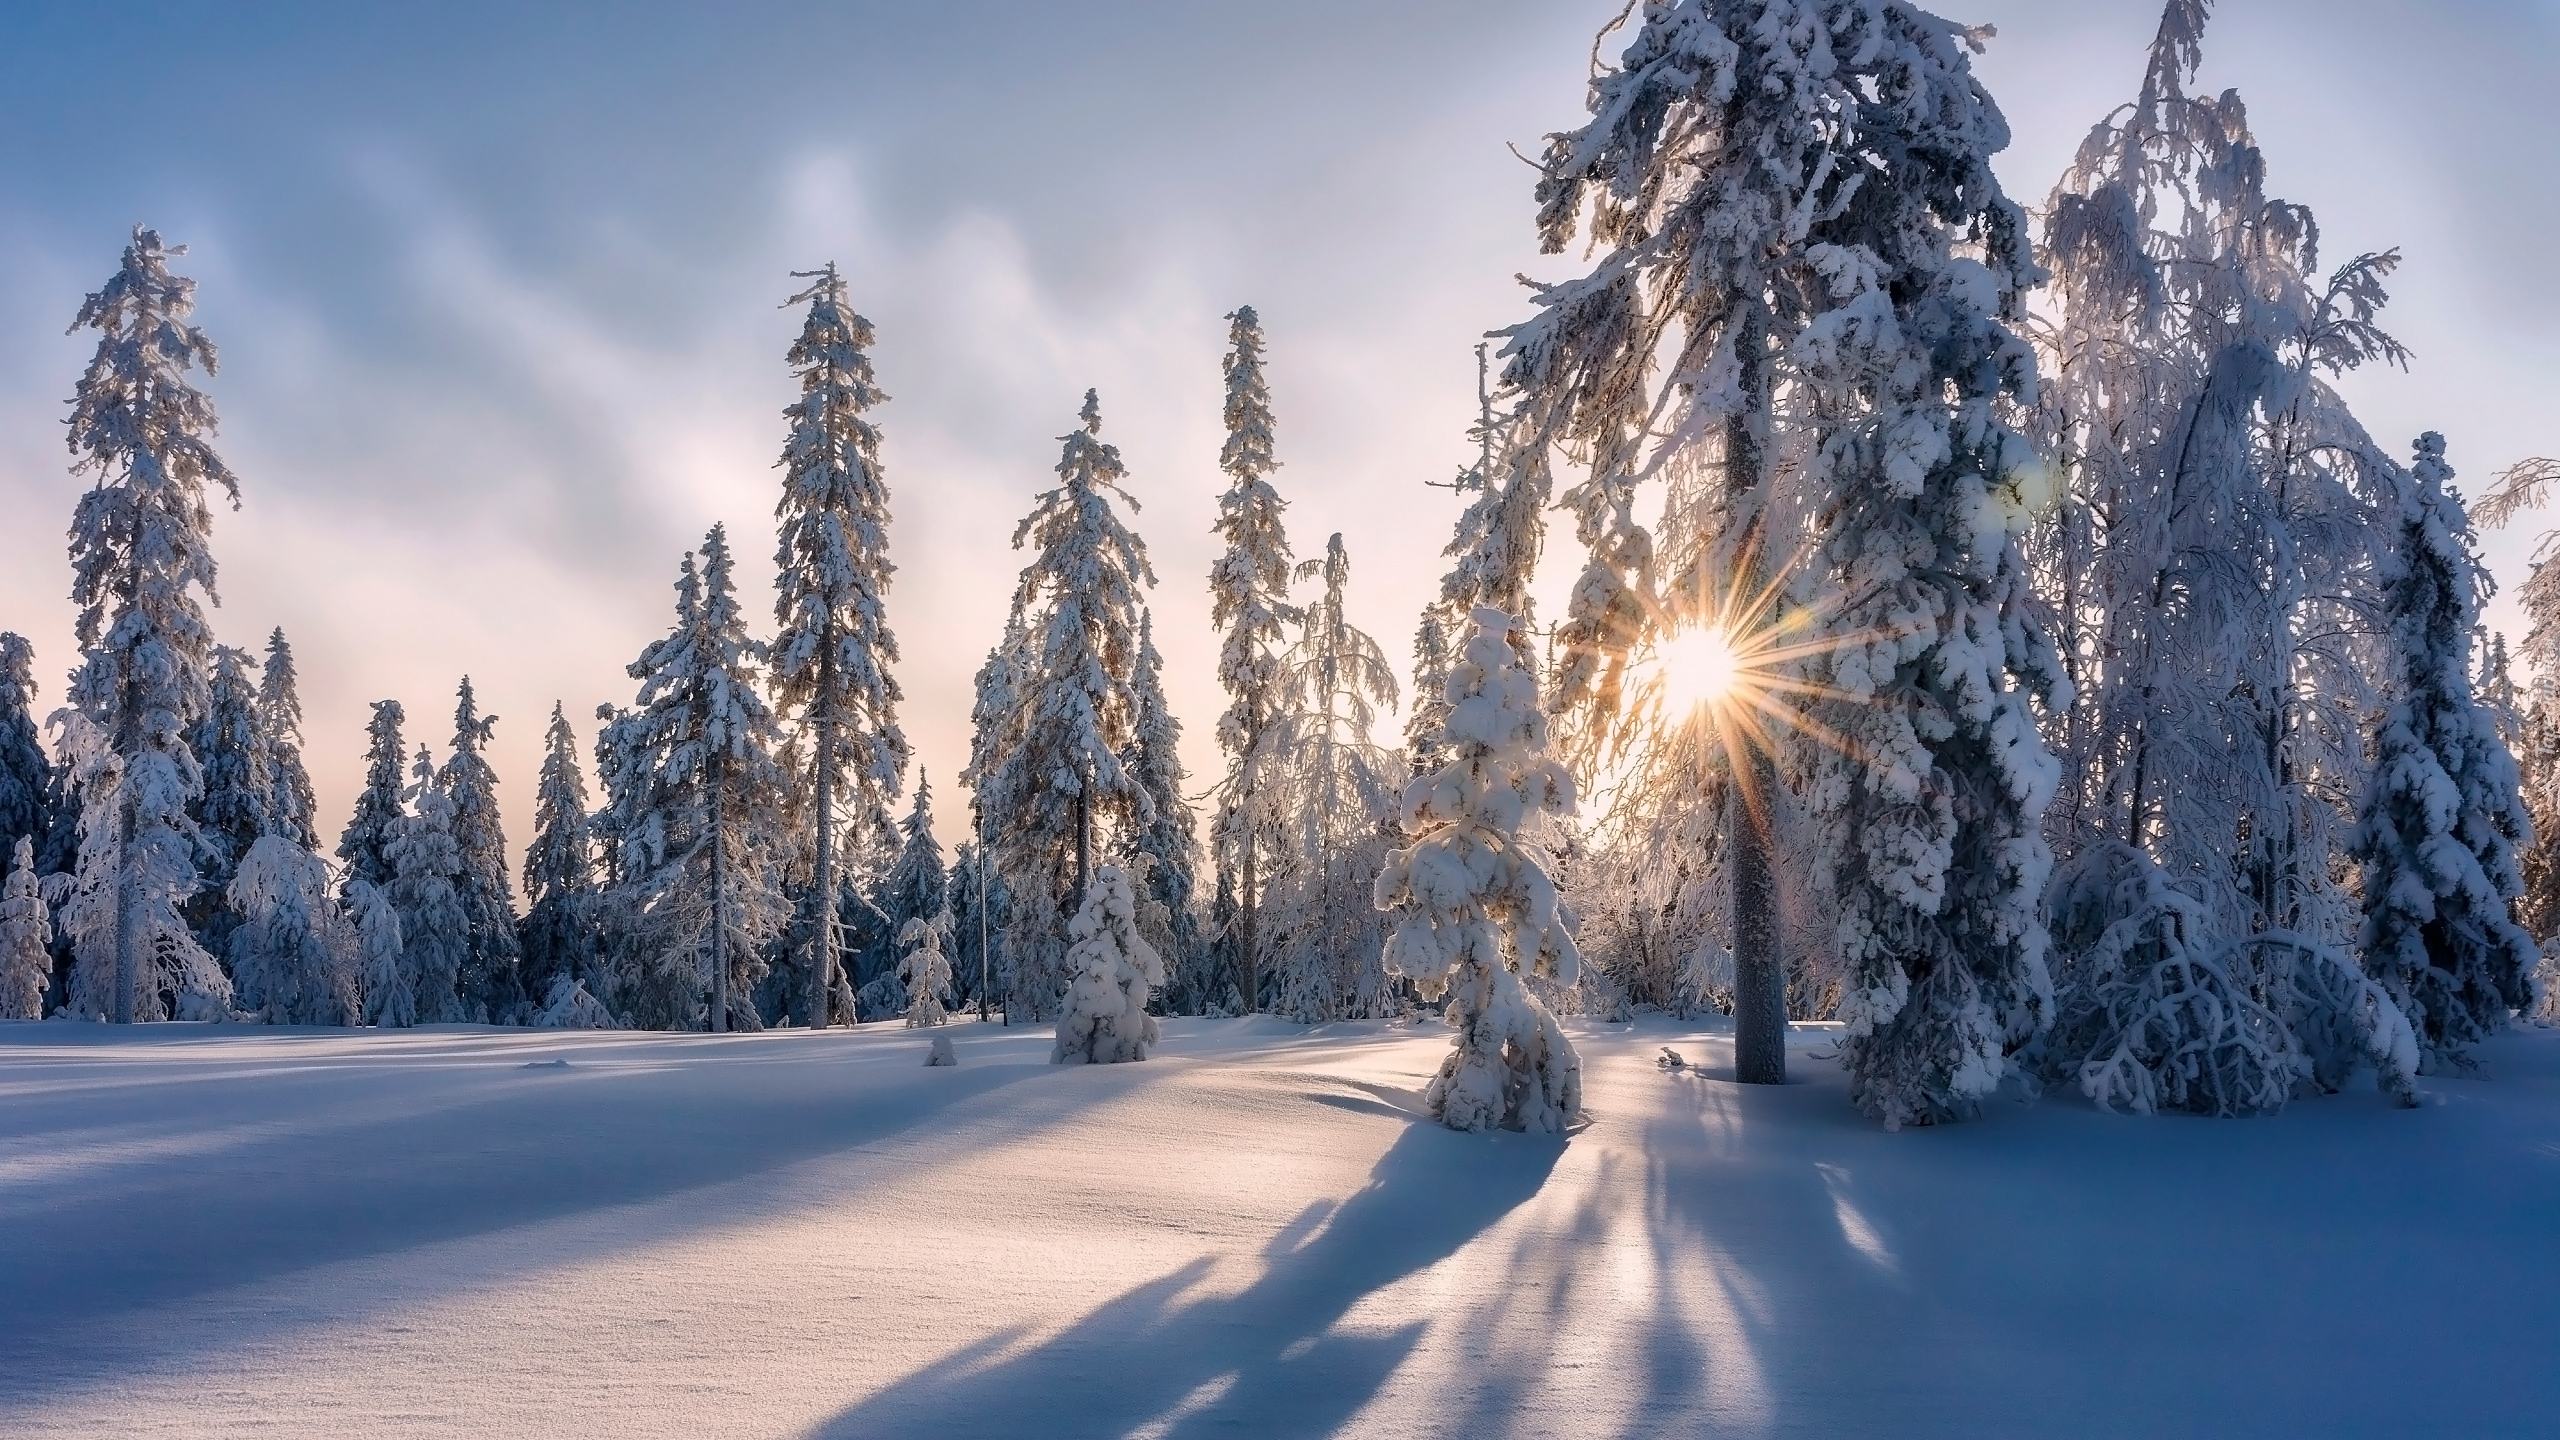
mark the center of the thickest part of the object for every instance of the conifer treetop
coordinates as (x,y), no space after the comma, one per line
(832,560)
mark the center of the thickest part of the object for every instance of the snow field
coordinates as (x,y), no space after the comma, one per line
(216,1231)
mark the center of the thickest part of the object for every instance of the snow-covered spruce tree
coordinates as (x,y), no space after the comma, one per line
(1050,773)
(994,714)
(26,937)
(699,811)
(1112,969)
(26,777)
(388,990)
(557,937)
(2211,573)
(295,956)
(141,550)
(831,660)
(1473,902)
(1163,851)
(364,847)
(435,931)
(291,812)
(926,972)
(1332,794)
(916,885)
(1248,606)
(1932,798)
(1712,259)
(1836,271)
(492,987)
(232,810)
(977,926)
(2443,817)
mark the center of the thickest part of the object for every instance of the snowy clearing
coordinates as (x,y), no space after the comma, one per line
(236,1231)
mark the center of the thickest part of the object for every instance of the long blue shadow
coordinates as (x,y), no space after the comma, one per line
(1256,1362)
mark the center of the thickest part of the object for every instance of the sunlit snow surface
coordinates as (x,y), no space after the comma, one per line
(242,1231)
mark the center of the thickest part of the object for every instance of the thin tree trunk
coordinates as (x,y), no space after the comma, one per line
(1759,969)
(125,966)
(1084,841)
(822,964)
(1247,912)
(719,908)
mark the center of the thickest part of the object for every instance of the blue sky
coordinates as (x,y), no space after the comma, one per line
(496,285)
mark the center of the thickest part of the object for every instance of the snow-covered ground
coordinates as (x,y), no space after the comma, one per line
(245,1231)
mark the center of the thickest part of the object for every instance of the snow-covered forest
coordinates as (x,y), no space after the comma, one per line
(1995,633)
(1914,645)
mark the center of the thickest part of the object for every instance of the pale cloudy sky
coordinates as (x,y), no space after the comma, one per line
(496,285)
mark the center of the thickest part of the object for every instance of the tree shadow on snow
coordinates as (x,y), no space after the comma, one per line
(377,1176)
(1259,1361)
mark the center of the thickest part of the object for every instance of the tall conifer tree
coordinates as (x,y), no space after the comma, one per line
(491,987)
(1050,771)
(831,660)
(698,807)
(291,812)
(233,809)
(141,553)
(364,847)
(1249,602)
(1168,838)
(2443,817)
(557,935)
(26,777)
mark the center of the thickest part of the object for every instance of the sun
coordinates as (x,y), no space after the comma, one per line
(1698,667)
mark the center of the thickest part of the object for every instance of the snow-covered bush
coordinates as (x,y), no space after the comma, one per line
(26,929)
(925,972)
(1473,902)
(294,954)
(570,1007)
(1112,968)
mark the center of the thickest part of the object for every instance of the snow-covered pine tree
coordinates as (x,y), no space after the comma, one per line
(1248,605)
(492,987)
(1112,969)
(232,810)
(831,660)
(26,937)
(2443,817)
(557,935)
(141,550)
(364,847)
(926,972)
(292,810)
(2211,575)
(390,994)
(435,931)
(1164,849)
(26,776)
(1332,794)
(1051,773)
(698,811)
(1473,901)
(296,958)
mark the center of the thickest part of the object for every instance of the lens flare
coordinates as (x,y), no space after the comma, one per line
(1699,667)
